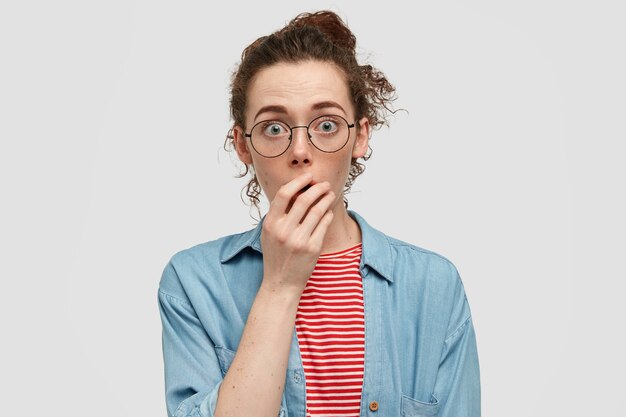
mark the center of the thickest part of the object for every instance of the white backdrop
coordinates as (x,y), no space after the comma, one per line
(509,162)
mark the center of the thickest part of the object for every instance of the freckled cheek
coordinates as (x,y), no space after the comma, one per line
(341,174)
(269,188)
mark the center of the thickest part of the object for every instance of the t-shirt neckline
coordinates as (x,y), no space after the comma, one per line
(341,252)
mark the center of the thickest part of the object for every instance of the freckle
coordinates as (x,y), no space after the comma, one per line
(233,387)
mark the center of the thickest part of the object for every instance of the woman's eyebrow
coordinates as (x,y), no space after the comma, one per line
(327,104)
(273,109)
(283,109)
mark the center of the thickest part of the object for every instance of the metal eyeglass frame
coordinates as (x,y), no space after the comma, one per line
(350,126)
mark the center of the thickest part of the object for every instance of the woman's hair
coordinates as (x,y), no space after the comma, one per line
(320,36)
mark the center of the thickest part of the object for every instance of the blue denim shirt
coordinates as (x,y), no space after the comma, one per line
(421,357)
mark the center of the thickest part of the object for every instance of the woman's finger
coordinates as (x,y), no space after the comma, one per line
(283,196)
(315,214)
(317,237)
(302,202)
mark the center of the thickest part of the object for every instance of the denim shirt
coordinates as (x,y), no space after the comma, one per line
(421,357)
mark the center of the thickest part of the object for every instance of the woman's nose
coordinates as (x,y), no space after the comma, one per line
(300,146)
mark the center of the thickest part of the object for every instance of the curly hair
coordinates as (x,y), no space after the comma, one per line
(320,36)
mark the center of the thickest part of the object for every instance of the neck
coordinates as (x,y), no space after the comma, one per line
(343,231)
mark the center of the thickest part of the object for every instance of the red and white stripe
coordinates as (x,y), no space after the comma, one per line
(330,325)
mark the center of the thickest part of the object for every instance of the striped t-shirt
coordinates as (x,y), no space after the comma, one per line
(330,326)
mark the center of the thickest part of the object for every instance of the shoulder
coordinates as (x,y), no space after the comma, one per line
(415,250)
(201,252)
(419,254)
(189,265)
(433,265)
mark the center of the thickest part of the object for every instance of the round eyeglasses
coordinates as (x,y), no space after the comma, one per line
(328,133)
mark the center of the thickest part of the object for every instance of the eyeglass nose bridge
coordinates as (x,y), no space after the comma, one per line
(308,135)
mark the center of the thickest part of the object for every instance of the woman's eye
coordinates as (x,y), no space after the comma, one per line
(274,129)
(327,126)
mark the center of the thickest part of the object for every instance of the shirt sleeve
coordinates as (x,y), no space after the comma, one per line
(192,372)
(458,379)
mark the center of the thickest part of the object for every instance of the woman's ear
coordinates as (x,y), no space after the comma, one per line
(362,139)
(241,145)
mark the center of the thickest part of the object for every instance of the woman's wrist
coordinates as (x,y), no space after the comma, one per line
(278,292)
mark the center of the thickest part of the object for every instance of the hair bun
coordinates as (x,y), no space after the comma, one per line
(330,24)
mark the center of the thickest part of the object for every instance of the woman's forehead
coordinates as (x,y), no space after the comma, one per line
(299,86)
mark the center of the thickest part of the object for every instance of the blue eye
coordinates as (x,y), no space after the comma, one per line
(273,129)
(327,126)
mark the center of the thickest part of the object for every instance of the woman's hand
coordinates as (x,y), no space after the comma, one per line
(293,232)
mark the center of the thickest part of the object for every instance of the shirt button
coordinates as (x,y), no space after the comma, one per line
(373,406)
(297,377)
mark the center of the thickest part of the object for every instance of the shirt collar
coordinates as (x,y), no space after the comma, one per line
(376,250)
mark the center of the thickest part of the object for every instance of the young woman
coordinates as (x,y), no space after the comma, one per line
(313,312)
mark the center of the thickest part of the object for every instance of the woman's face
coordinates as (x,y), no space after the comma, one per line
(295,94)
